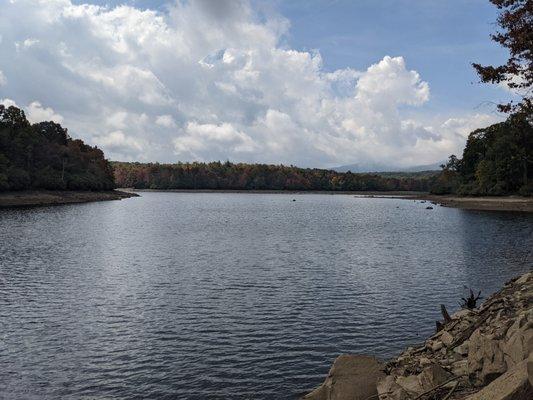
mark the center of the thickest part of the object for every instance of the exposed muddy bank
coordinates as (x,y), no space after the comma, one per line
(508,203)
(496,203)
(48,197)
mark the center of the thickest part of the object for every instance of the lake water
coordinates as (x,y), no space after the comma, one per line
(241,296)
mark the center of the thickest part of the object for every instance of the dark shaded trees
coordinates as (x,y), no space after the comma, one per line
(497,160)
(43,156)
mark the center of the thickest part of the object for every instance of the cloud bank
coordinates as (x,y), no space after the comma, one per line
(212,80)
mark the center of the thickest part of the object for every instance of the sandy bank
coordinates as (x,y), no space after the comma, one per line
(496,203)
(504,203)
(48,197)
(509,203)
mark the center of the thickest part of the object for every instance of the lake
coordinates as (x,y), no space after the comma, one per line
(231,295)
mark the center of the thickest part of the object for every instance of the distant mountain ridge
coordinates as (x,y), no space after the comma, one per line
(378,167)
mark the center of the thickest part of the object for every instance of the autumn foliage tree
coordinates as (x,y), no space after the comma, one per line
(241,176)
(44,156)
(516,34)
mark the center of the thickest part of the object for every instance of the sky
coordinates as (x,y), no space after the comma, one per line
(301,82)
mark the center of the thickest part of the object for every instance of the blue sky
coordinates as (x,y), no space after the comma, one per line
(304,82)
(439,39)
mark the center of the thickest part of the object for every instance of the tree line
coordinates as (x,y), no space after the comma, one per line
(43,156)
(497,160)
(241,176)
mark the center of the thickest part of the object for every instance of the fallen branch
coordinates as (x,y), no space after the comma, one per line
(451,391)
(445,314)
(378,396)
(469,331)
(438,386)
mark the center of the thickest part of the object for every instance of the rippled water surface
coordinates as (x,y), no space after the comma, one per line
(244,296)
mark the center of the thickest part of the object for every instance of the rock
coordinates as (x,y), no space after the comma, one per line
(436,346)
(352,377)
(432,376)
(446,338)
(515,345)
(424,361)
(513,385)
(524,278)
(493,348)
(410,384)
(460,367)
(485,358)
(462,313)
(462,349)
(388,389)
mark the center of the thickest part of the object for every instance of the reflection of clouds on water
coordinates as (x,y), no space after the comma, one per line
(204,294)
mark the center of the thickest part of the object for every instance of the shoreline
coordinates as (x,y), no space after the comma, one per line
(481,353)
(496,203)
(386,194)
(35,198)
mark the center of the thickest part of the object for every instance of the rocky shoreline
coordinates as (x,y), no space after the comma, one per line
(49,197)
(479,354)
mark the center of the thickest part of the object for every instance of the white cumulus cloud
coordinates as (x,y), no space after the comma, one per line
(213,80)
(118,142)
(165,120)
(35,112)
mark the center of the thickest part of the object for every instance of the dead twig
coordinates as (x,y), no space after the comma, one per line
(438,386)
(451,391)
(377,396)
(445,314)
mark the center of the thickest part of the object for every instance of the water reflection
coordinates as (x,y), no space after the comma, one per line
(231,295)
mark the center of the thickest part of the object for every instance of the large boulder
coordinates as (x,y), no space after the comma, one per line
(515,345)
(388,389)
(486,360)
(352,377)
(407,387)
(513,385)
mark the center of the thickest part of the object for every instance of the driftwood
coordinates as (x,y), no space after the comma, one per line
(465,335)
(438,386)
(471,301)
(451,391)
(445,314)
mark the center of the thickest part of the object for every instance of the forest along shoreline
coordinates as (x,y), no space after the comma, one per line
(478,353)
(32,198)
